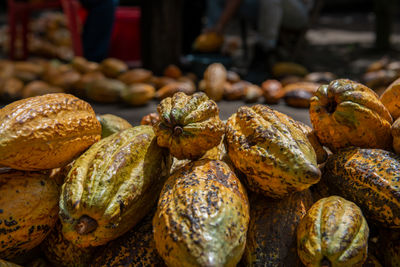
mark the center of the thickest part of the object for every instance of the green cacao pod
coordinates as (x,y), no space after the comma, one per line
(111,124)
(369,178)
(188,125)
(272,151)
(202,216)
(136,248)
(333,233)
(271,238)
(111,187)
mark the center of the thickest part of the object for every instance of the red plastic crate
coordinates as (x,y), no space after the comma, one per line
(125,40)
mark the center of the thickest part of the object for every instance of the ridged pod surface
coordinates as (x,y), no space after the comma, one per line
(333,233)
(271,150)
(112,186)
(29,208)
(189,125)
(61,252)
(46,132)
(202,216)
(111,124)
(369,178)
(271,238)
(136,248)
(345,113)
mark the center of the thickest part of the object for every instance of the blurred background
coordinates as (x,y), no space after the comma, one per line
(355,39)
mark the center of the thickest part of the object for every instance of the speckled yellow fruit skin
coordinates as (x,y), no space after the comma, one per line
(61,252)
(114,183)
(197,119)
(369,178)
(111,124)
(333,230)
(202,216)
(271,238)
(46,132)
(272,151)
(345,113)
(29,209)
(136,248)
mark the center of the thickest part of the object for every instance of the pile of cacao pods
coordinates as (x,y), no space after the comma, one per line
(108,82)
(381,73)
(111,81)
(48,36)
(187,189)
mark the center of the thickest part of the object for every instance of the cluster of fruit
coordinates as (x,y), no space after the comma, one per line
(108,82)
(48,37)
(188,189)
(111,82)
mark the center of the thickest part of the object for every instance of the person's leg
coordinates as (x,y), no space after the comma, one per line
(295,14)
(248,11)
(214,10)
(98,28)
(269,23)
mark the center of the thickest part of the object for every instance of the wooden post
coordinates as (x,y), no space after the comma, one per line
(384,16)
(161,33)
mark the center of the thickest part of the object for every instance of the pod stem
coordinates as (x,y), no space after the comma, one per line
(86,225)
(178,130)
(325,263)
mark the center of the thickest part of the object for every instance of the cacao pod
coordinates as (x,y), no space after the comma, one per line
(46,132)
(345,113)
(111,187)
(334,232)
(202,216)
(189,125)
(272,151)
